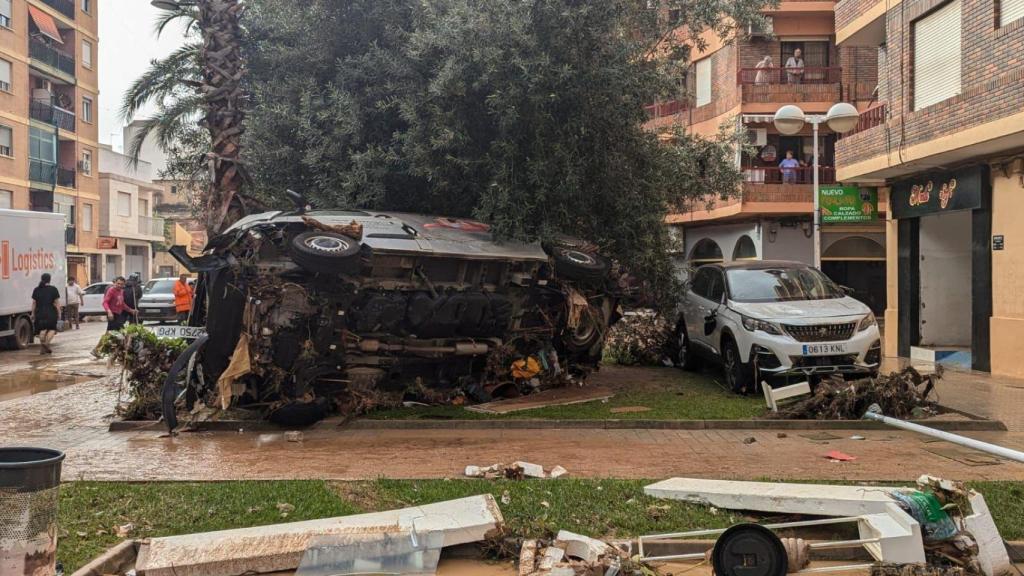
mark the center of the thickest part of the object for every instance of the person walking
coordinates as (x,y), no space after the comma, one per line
(45,312)
(74,297)
(117,311)
(183,296)
(132,295)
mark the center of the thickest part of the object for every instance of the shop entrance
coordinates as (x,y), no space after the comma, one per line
(858,263)
(945,271)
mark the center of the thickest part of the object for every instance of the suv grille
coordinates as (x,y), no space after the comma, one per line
(821,332)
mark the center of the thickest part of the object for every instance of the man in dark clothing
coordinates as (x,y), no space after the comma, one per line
(132,295)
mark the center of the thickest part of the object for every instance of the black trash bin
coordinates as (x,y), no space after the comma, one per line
(29,493)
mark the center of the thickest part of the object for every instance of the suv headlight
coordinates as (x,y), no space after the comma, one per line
(753,324)
(867,322)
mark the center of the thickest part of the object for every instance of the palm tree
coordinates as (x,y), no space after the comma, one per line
(200,83)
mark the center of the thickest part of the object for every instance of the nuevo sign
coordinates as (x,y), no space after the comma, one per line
(840,204)
(938,192)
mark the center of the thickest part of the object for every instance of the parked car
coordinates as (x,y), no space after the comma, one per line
(94,300)
(157,302)
(759,319)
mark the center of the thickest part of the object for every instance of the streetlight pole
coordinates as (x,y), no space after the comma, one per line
(841,118)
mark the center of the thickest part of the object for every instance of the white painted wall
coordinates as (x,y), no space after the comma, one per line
(786,243)
(726,236)
(946,279)
(151,153)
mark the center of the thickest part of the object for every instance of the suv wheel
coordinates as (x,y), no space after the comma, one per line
(683,355)
(738,376)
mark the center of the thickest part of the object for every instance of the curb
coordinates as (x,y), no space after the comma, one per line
(754,425)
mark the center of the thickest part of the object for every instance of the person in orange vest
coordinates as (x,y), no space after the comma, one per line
(182,298)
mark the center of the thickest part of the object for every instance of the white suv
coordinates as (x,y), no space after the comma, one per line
(762,318)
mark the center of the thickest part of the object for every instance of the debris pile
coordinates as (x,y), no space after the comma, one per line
(145,361)
(640,337)
(517,470)
(902,395)
(572,554)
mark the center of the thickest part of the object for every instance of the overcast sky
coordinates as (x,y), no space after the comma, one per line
(127,44)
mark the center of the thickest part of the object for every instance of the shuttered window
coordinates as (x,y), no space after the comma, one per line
(703,81)
(937,56)
(1010,10)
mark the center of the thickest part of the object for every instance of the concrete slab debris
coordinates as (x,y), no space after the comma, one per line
(517,470)
(552,397)
(582,547)
(279,547)
(557,472)
(530,470)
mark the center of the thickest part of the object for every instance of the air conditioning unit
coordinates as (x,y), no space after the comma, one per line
(85,167)
(761,30)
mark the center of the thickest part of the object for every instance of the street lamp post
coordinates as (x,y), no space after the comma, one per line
(841,118)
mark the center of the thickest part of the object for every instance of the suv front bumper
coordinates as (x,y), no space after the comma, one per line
(782,355)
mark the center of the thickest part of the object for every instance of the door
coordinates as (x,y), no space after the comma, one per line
(701,303)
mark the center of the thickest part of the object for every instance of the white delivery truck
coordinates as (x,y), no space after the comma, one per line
(31,244)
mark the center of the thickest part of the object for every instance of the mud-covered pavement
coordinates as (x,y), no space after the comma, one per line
(74,417)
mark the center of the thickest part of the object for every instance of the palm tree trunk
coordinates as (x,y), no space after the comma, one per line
(224,100)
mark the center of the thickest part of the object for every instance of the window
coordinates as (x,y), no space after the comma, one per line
(124,204)
(5,75)
(86,53)
(717,288)
(143,207)
(86,167)
(701,282)
(87,6)
(42,145)
(5,13)
(6,141)
(703,69)
(937,56)
(87,217)
(87,109)
(100,288)
(6,199)
(1010,10)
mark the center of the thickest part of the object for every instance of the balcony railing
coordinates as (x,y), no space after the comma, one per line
(869,119)
(151,226)
(39,50)
(65,7)
(65,178)
(59,117)
(70,236)
(800,175)
(42,171)
(662,109)
(768,76)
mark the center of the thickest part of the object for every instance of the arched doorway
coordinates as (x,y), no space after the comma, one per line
(705,251)
(745,249)
(858,262)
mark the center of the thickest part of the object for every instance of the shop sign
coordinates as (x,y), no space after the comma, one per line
(938,192)
(106,243)
(842,204)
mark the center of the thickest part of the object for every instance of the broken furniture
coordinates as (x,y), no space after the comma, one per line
(887,531)
(772,396)
(280,547)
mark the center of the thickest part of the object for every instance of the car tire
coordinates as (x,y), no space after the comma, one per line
(325,252)
(575,264)
(739,376)
(22,336)
(683,355)
(589,332)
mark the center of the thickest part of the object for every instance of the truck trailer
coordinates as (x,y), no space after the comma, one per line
(31,244)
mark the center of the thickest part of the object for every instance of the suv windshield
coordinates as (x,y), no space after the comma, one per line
(160,287)
(781,285)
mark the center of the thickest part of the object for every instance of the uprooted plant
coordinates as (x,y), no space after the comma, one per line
(904,395)
(145,361)
(638,338)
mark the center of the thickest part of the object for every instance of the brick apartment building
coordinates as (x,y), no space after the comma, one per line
(947,150)
(48,118)
(773,217)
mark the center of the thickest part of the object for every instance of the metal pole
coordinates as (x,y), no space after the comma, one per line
(817,210)
(948,437)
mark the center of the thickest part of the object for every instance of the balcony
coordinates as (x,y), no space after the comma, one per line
(662,109)
(42,171)
(65,178)
(770,175)
(869,119)
(816,84)
(54,115)
(70,236)
(151,226)
(65,7)
(42,52)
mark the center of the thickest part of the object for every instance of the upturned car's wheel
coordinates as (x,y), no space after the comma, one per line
(325,252)
(738,376)
(575,264)
(682,354)
(585,335)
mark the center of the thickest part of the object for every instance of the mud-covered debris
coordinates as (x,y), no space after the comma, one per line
(572,554)
(557,472)
(515,471)
(293,436)
(145,361)
(904,395)
(640,337)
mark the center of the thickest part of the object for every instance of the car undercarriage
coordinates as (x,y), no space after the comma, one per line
(311,314)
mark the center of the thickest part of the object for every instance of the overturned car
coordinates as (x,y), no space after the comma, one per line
(311,313)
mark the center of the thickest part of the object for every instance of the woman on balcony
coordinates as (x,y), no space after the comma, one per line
(763,70)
